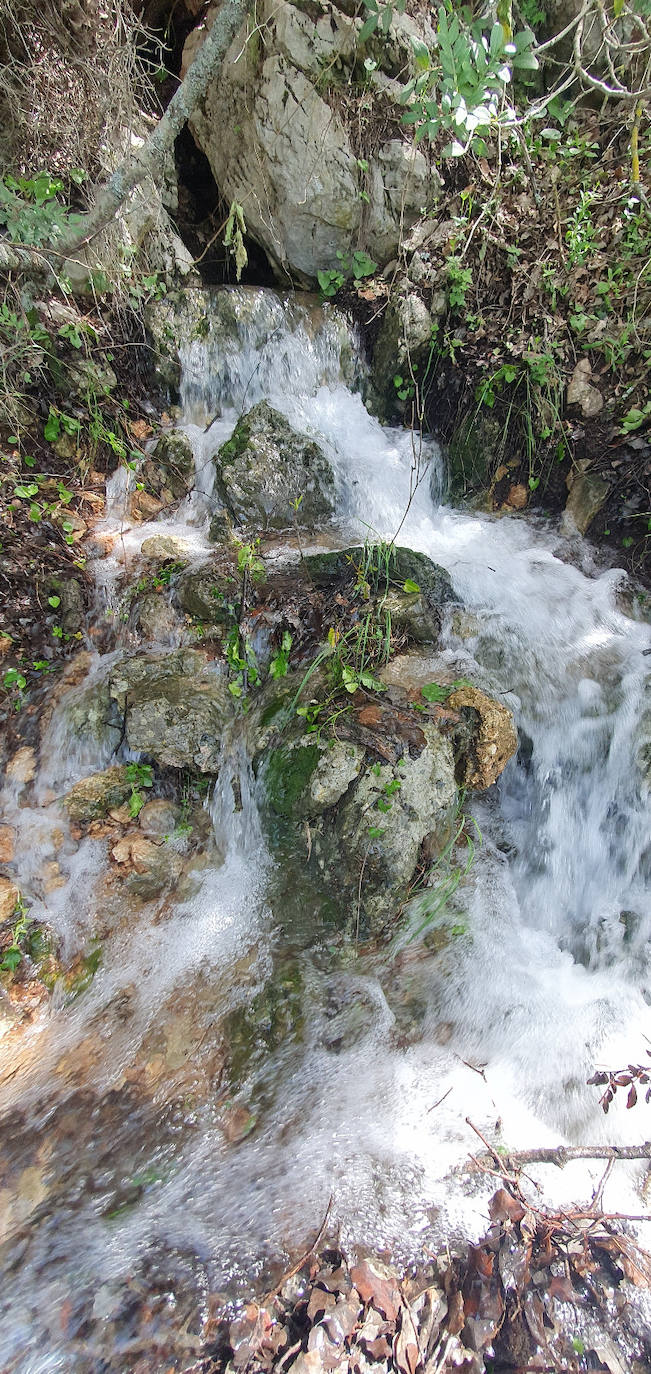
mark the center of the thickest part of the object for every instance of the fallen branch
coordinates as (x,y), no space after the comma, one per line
(564,1154)
(149,159)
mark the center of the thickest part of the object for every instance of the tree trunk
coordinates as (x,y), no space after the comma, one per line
(149,159)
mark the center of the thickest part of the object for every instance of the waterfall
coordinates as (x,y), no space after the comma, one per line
(548,976)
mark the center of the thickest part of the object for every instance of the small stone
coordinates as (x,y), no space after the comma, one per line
(158,818)
(7,842)
(581,393)
(9,898)
(22,767)
(143,506)
(121,814)
(93,797)
(52,877)
(163,547)
(587,495)
(517,496)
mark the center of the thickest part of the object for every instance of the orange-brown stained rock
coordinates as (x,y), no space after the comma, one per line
(495,742)
(517,496)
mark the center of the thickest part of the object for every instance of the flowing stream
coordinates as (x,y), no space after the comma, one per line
(128,1184)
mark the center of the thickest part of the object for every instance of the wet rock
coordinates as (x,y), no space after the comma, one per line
(586,497)
(70,613)
(324,570)
(307,777)
(174,459)
(167,474)
(163,548)
(9,898)
(144,506)
(22,767)
(266,467)
(405,335)
(394,811)
(93,797)
(582,393)
(365,815)
(471,456)
(494,742)
(154,867)
(209,595)
(175,708)
(156,620)
(7,843)
(158,818)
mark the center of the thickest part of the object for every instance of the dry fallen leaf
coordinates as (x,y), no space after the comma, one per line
(376,1284)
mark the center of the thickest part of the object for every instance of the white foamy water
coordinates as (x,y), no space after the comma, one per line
(548,977)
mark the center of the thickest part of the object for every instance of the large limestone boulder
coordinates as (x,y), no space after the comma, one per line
(266,467)
(289,159)
(175,708)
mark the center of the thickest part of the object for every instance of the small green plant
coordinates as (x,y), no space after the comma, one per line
(280,661)
(635,418)
(31,210)
(461,89)
(359,266)
(434,692)
(139,775)
(249,561)
(459,280)
(581,232)
(13,954)
(330,282)
(242,662)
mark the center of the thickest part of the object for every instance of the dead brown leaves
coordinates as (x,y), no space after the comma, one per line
(525,1280)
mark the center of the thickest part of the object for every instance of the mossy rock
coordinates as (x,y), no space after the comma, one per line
(274,1016)
(308,777)
(474,454)
(208,595)
(326,570)
(270,476)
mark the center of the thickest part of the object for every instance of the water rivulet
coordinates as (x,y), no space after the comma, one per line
(175,1125)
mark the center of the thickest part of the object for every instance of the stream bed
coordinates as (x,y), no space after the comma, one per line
(131,1182)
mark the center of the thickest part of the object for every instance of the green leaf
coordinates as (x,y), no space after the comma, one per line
(525,61)
(433,691)
(376,832)
(368,27)
(11,959)
(54,601)
(52,428)
(421,54)
(410,586)
(136,803)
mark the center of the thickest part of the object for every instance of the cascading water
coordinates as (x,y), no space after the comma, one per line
(119,1170)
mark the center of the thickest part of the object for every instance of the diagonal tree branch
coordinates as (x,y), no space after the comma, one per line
(149,159)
